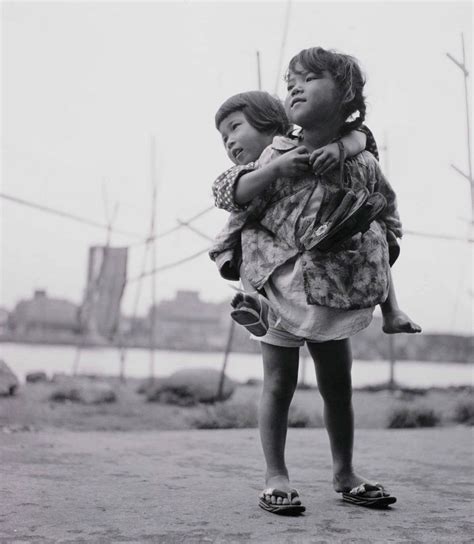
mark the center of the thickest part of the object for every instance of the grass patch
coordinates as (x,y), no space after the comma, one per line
(225,415)
(464,412)
(301,417)
(244,415)
(412,417)
(31,407)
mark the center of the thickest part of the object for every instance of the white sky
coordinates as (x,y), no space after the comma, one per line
(85,85)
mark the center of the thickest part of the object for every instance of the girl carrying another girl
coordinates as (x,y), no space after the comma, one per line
(321,298)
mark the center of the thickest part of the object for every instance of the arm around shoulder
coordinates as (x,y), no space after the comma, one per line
(252,183)
(224,188)
(390,215)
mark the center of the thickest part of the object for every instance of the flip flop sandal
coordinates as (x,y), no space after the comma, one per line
(357,219)
(281,509)
(329,225)
(356,496)
(375,205)
(338,222)
(256,323)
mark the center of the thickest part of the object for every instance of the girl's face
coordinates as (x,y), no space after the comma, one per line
(243,143)
(312,98)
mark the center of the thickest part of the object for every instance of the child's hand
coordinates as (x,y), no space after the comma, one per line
(292,164)
(325,158)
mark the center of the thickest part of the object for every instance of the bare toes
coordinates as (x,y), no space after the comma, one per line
(238,299)
(252,302)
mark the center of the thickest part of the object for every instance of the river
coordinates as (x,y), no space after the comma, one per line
(24,358)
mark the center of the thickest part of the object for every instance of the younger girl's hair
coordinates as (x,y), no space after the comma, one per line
(347,75)
(262,110)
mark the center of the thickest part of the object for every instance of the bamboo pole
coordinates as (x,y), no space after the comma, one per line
(259,72)
(391,341)
(228,348)
(468,176)
(153,258)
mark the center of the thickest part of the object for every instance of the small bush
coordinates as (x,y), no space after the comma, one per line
(65,394)
(398,390)
(145,386)
(83,392)
(189,387)
(226,415)
(254,382)
(299,418)
(410,418)
(240,415)
(305,386)
(36,377)
(464,412)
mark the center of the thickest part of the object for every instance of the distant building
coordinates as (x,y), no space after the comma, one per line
(43,316)
(187,322)
(4,319)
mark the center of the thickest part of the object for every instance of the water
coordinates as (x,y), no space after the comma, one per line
(26,358)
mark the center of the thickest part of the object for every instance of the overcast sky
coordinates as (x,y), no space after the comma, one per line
(86,85)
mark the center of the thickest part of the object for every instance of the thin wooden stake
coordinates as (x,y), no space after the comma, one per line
(228,347)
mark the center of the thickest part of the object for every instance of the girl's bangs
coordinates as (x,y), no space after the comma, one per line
(307,61)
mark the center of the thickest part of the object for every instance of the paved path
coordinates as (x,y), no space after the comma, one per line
(201,486)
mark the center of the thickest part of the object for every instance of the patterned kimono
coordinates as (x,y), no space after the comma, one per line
(275,228)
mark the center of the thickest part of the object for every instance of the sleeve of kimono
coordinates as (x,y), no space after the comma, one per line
(371,145)
(226,250)
(223,188)
(389,217)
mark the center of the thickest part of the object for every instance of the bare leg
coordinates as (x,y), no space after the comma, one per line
(280,376)
(394,320)
(333,362)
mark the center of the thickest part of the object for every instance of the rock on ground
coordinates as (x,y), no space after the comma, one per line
(188,387)
(8,381)
(83,391)
(36,377)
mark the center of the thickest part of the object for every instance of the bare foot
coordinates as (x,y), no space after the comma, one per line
(282,483)
(397,322)
(347,481)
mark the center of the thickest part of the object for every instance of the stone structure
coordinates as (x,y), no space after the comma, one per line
(8,381)
(43,317)
(4,318)
(187,322)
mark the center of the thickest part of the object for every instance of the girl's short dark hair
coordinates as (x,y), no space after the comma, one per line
(262,110)
(346,73)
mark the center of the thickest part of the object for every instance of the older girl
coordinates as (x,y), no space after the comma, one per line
(320,298)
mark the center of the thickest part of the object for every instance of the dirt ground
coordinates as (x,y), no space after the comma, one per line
(201,487)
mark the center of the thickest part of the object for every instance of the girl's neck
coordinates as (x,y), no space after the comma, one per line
(318,137)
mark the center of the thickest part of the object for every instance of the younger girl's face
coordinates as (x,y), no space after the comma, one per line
(243,143)
(312,98)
